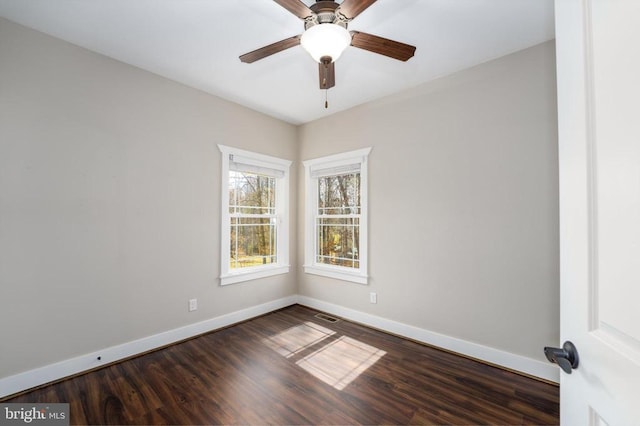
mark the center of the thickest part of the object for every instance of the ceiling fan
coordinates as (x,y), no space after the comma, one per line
(326,36)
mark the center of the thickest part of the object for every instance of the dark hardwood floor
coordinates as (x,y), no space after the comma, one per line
(289,367)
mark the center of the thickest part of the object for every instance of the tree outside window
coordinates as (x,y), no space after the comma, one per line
(253,220)
(338,220)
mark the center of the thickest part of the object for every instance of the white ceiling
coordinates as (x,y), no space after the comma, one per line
(197,43)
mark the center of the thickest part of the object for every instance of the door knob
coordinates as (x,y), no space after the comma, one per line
(566,357)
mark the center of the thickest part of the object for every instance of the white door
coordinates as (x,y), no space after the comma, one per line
(598,52)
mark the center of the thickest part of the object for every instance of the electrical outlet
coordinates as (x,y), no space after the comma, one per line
(193,305)
(373,297)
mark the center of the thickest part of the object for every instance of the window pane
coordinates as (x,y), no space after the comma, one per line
(251,193)
(339,194)
(253,242)
(338,241)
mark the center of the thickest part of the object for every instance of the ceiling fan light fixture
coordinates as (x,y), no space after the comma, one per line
(325,40)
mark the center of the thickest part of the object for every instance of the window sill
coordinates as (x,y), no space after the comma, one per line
(253,274)
(337,273)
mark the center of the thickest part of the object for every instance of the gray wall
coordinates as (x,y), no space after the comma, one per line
(110,201)
(463,197)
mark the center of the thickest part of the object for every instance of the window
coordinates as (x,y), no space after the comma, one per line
(336,216)
(255,223)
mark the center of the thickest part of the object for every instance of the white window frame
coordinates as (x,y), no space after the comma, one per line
(335,162)
(269,165)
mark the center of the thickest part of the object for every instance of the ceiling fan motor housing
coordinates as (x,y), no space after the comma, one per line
(324,12)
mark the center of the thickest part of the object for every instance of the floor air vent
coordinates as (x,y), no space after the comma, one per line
(326,318)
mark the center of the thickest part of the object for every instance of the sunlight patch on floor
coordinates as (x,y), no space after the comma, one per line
(296,339)
(341,361)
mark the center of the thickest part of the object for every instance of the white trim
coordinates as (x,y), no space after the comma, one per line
(49,373)
(352,166)
(282,212)
(504,359)
(336,160)
(52,372)
(253,274)
(336,272)
(256,159)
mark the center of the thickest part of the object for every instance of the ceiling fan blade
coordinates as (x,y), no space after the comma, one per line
(265,51)
(352,8)
(327,73)
(382,46)
(296,7)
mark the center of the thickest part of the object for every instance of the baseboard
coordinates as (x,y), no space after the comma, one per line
(518,363)
(50,373)
(53,372)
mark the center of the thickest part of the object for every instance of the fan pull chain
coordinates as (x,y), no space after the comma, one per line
(326,100)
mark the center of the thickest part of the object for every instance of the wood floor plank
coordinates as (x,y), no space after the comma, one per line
(289,367)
